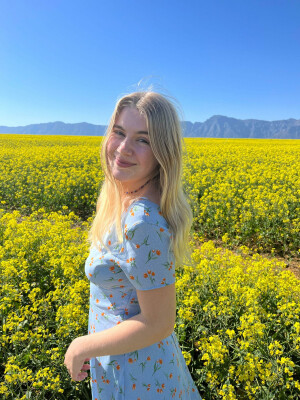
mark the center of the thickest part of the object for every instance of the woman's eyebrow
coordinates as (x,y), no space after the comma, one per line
(120,127)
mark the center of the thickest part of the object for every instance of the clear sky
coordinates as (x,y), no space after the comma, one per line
(70,60)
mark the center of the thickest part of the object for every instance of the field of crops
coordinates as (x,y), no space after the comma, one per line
(238,312)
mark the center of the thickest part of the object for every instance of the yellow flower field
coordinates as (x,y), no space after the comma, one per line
(238,314)
(248,190)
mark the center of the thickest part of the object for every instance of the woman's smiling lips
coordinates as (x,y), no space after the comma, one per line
(122,163)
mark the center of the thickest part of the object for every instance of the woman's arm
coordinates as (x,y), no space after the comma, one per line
(154,323)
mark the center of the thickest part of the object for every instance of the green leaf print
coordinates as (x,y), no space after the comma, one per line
(138,281)
(112,363)
(143,365)
(134,354)
(145,241)
(151,256)
(132,378)
(99,388)
(156,367)
(131,233)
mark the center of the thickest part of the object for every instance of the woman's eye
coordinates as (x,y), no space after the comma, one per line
(119,133)
(143,141)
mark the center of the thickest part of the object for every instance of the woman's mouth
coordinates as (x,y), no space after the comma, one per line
(123,164)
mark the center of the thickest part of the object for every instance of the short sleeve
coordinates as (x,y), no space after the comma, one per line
(149,261)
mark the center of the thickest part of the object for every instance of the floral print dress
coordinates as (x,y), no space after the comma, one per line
(142,261)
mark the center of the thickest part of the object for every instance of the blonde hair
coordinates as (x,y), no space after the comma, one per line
(165,138)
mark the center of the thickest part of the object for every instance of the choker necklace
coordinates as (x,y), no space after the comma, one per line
(134,191)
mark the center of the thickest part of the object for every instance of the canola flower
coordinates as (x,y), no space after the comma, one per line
(237,316)
(43,302)
(248,190)
(50,172)
(245,189)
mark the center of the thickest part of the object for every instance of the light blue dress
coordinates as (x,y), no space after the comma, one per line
(142,261)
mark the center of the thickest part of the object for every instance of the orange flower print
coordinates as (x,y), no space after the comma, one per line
(148,358)
(130,360)
(134,386)
(109,242)
(97,300)
(90,274)
(137,246)
(145,275)
(158,252)
(131,277)
(161,229)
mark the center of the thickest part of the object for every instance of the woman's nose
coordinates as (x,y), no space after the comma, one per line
(125,146)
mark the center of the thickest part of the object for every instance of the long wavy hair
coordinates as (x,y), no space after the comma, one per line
(164,131)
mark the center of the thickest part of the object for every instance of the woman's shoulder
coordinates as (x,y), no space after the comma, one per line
(144,211)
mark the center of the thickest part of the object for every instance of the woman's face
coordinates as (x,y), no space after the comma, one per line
(130,156)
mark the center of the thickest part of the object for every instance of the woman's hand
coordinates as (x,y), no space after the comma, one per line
(75,361)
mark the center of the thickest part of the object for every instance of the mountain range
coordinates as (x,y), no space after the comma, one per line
(217,126)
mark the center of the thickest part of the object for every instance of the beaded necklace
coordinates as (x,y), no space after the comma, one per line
(134,191)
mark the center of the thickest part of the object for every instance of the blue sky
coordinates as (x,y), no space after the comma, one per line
(70,60)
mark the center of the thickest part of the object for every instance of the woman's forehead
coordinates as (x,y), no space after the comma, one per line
(130,118)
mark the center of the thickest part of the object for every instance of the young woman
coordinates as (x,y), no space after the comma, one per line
(139,234)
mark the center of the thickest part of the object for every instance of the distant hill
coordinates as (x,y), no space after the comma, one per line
(57,128)
(217,126)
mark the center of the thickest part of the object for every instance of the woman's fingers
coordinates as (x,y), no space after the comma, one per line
(85,367)
(81,376)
